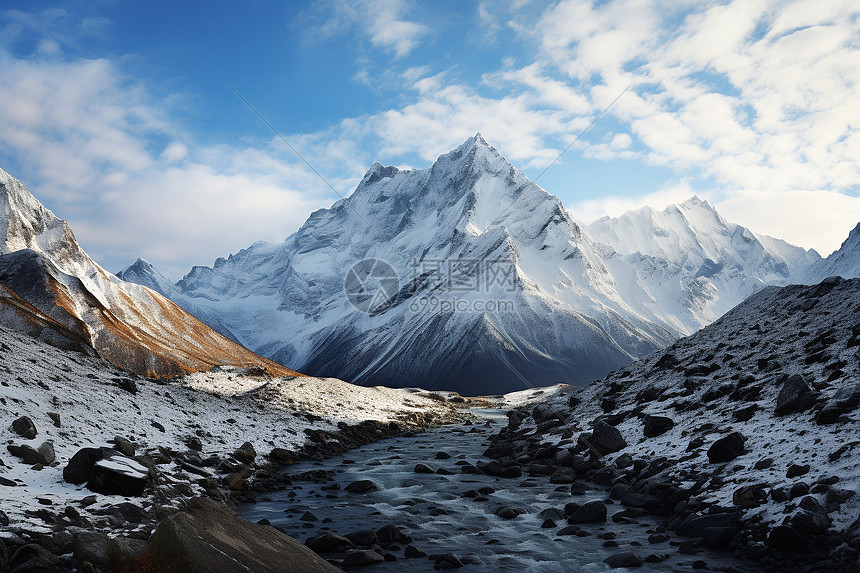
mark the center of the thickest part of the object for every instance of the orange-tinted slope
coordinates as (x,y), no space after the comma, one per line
(50,288)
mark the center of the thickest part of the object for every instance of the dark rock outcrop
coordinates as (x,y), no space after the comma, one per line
(208,537)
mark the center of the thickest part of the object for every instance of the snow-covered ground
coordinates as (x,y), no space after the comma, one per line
(728,378)
(224,409)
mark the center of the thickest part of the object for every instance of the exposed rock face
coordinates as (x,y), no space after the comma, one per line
(51,289)
(208,537)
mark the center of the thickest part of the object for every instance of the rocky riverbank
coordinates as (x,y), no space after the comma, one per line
(97,458)
(740,439)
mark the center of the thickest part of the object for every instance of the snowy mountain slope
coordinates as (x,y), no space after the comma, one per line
(844,262)
(781,370)
(53,290)
(535,302)
(693,263)
(568,303)
(143,273)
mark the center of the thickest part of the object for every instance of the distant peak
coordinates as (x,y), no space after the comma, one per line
(478,139)
(140,267)
(695,201)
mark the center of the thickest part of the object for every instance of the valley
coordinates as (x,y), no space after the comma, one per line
(695,409)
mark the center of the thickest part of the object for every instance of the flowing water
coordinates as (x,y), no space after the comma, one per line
(432,509)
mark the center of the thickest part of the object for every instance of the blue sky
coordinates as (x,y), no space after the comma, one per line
(116,114)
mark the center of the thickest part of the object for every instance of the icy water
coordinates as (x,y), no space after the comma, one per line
(432,509)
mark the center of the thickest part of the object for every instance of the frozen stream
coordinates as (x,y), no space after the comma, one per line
(433,510)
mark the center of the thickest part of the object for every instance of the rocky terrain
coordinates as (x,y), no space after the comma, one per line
(96,454)
(741,438)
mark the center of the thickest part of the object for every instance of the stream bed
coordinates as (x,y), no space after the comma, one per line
(455,513)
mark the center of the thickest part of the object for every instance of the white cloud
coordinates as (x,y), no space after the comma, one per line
(383,22)
(388,29)
(797,214)
(174,152)
(85,142)
(757,97)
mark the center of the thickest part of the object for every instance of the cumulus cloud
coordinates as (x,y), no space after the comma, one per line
(383,22)
(757,98)
(86,143)
(815,219)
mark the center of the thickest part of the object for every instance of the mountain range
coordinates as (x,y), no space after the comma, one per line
(51,289)
(468,276)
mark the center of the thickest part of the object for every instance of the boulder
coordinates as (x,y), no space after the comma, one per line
(695,525)
(794,396)
(361,486)
(619,490)
(112,554)
(43,455)
(625,559)
(363,537)
(423,469)
(361,557)
(245,453)
(123,446)
(727,448)
(412,552)
(209,537)
(845,401)
(24,427)
(80,467)
(509,512)
(118,475)
(607,438)
(786,538)
(543,412)
(590,512)
(32,558)
(641,501)
(749,496)
(391,534)
(795,470)
(718,537)
(281,456)
(328,543)
(654,426)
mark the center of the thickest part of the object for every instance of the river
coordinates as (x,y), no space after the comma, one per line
(433,510)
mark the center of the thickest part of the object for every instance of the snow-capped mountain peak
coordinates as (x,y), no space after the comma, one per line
(50,288)
(143,273)
(495,282)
